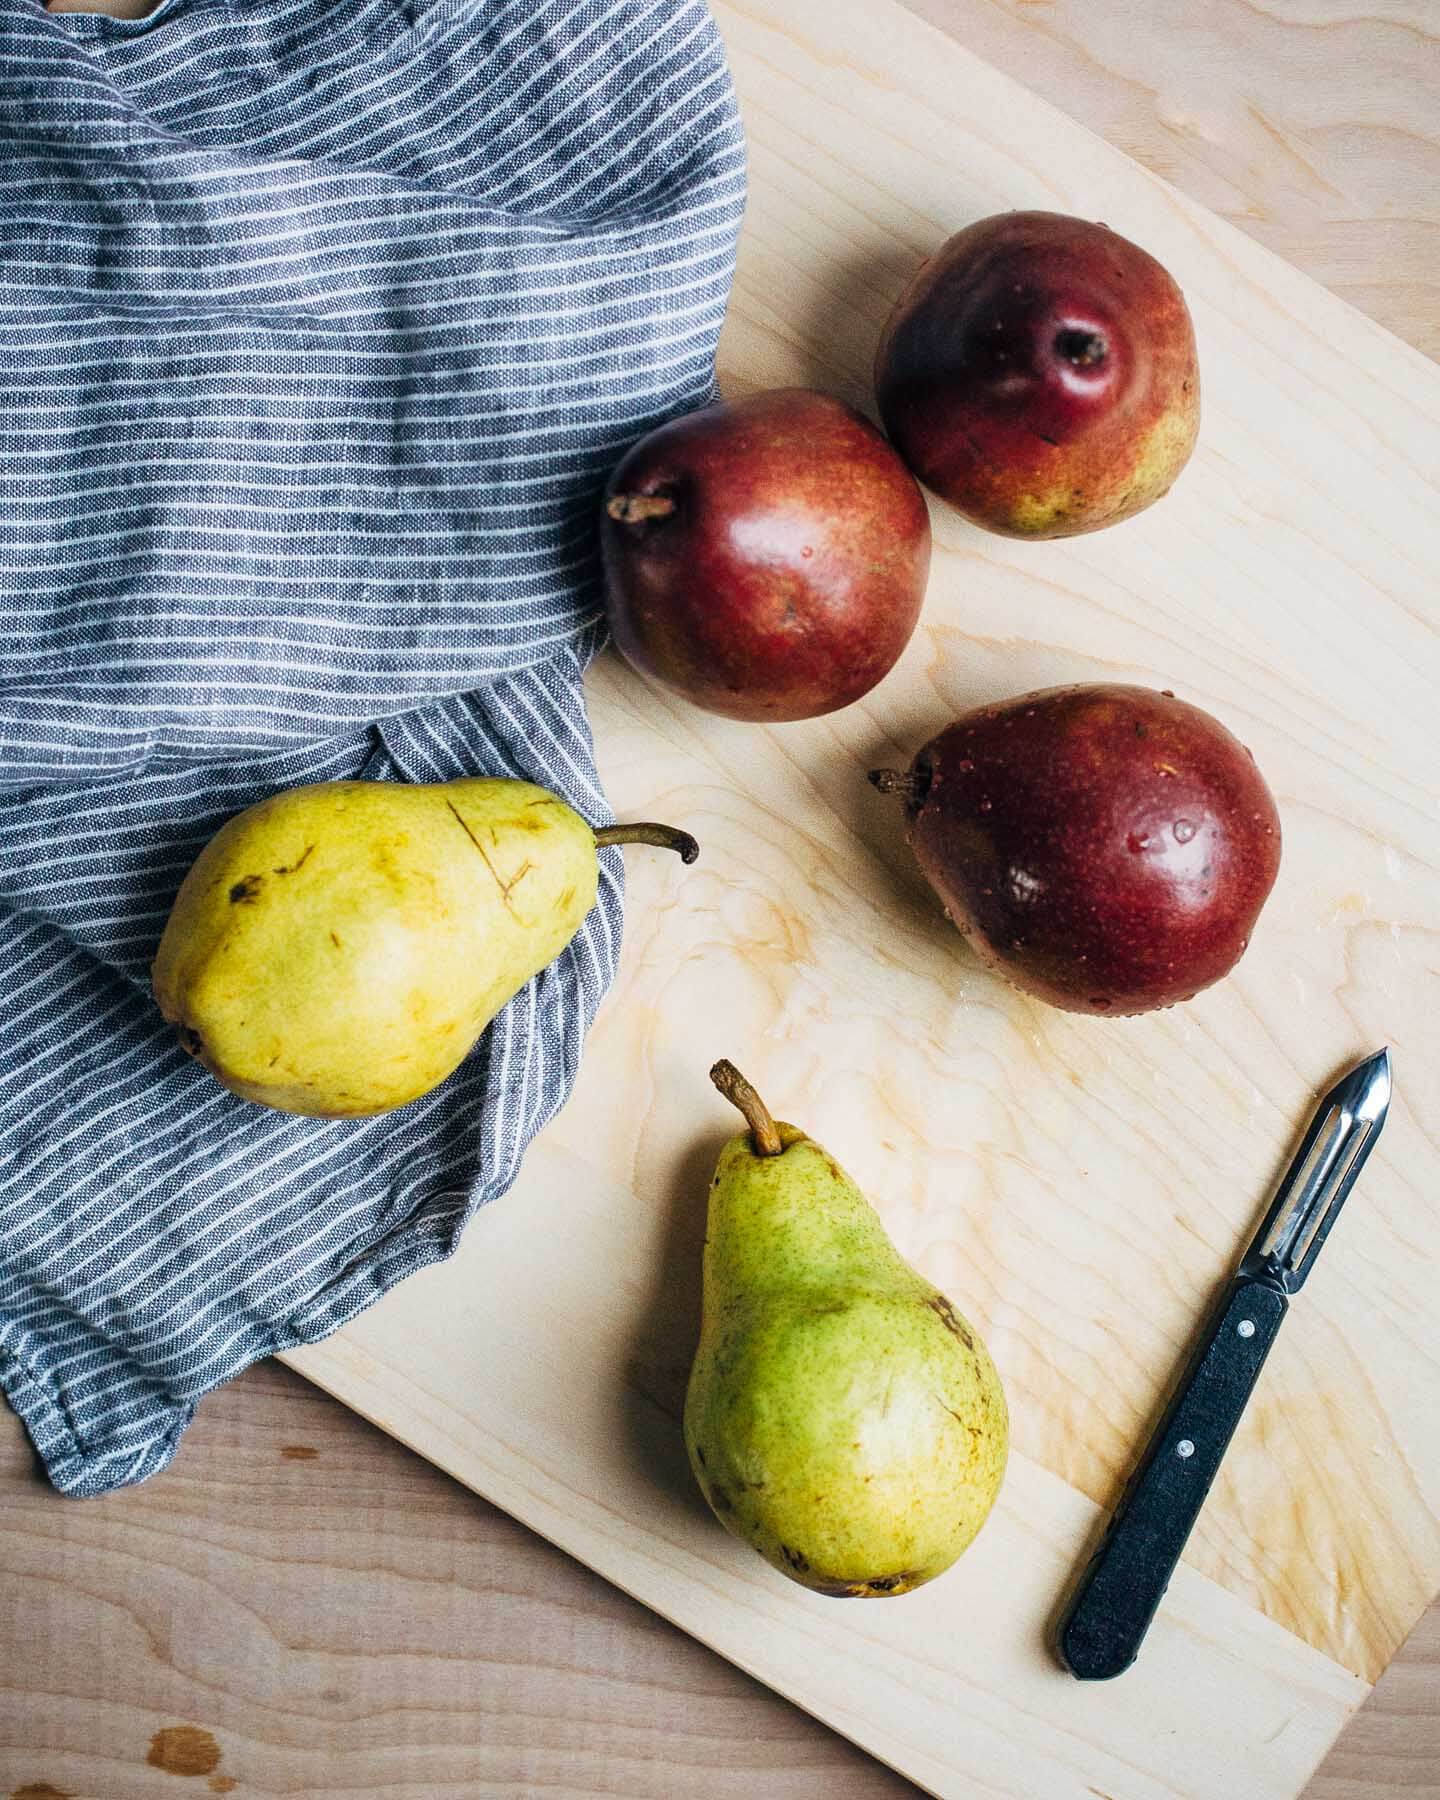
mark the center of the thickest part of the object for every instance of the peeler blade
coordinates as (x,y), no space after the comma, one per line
(1337,1141)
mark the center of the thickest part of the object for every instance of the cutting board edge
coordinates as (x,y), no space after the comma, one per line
(330,1364)
(1355,319)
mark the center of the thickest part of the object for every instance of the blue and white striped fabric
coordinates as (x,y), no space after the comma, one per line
(321,322)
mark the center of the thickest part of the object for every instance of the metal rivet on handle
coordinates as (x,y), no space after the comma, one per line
(1184,1448)
(1246,1328)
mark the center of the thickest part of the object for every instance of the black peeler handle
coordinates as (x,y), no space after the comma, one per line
(1126,1578)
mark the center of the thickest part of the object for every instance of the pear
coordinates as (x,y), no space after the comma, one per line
(337,949)
(841,1418)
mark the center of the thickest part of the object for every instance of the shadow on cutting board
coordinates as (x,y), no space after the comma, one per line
(657,1368)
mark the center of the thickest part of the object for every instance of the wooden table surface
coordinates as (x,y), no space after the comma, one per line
(299,1580)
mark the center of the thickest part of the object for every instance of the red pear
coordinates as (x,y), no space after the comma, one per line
(1107,848)
(765,557)
(1039,373)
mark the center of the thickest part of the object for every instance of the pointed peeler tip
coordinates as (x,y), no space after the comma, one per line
(1373,1079)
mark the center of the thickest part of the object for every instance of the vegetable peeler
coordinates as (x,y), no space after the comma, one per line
(1124,1582)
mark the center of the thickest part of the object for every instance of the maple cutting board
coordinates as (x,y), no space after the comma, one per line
(1080,1186)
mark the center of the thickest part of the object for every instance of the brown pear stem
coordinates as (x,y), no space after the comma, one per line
(904,782)
(666,836)
(635,509)
(764,1137)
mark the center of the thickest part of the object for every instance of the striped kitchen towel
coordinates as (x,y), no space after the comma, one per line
(321,322)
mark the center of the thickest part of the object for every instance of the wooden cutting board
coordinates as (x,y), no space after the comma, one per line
(1079,1185)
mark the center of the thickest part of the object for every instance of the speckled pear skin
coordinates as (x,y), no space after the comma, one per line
(841,1416)
(1040,374)
(337,949)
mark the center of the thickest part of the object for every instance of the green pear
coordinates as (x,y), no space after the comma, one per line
(842,1418)
(338,948)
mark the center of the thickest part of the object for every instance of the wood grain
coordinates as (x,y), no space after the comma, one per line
(1391,1749)
(264,1593)
(1312,125)
(1020,1157)
(564,1413)
(350,1624)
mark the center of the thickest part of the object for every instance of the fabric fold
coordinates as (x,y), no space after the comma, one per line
(323,324)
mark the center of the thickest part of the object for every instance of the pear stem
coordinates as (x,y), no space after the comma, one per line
(635,509)
(666,836)
(764,1136)
(905,783)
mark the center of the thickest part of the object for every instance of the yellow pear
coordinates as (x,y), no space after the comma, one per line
(841,1417)
(338,948)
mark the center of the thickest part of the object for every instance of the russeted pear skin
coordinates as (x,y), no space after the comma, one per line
(337,949)
(842,1417)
